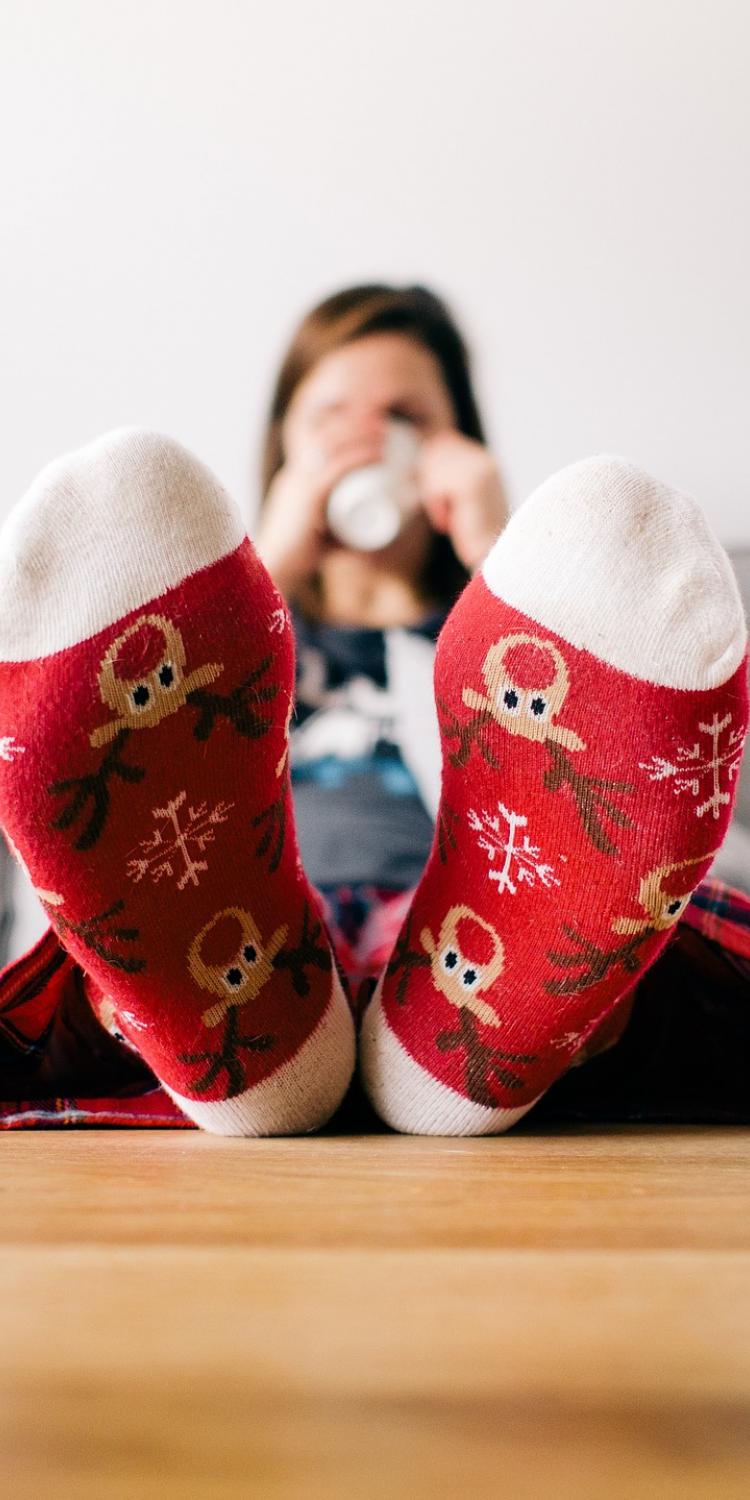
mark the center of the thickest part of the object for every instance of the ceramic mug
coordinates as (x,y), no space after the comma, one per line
(369,507)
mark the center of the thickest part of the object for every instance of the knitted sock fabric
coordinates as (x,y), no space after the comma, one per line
(591,686)
(146,681)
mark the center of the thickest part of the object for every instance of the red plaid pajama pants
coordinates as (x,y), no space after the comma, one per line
(677,1048)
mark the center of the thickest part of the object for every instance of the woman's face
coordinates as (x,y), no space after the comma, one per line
(351,393)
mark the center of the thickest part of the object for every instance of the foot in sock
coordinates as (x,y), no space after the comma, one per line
(591,685)
(146,680)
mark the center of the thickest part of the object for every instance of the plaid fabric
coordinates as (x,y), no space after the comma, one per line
(30,993)
(364,922)
(721,914)
(152,1110)
(58,1067)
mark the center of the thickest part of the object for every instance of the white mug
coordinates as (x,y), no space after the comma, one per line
(369,507)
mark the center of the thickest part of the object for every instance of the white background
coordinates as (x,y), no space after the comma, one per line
(180,180)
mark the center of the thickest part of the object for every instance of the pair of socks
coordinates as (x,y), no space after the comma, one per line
(591,686)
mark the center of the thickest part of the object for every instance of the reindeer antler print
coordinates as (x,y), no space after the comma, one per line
(225,1059)
(472,732)
(272,820)
(593,962)
(100,936)
(591,796)
(240,707)
(446,831)
(311,952)
(404,960)
(93,788)
(482,1060)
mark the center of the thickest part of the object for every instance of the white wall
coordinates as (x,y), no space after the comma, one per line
(181,179)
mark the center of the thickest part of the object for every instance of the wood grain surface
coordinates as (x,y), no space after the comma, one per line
(549,1312)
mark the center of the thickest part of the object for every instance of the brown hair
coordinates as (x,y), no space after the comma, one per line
(353,314)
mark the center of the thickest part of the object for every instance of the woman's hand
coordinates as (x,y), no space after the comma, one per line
(463,494)
(293,535)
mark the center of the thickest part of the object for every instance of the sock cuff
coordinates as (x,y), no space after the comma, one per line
(644,544)
(105,530)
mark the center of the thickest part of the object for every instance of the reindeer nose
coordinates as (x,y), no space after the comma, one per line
(140,649)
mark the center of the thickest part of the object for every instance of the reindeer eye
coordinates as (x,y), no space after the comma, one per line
(449,960)
(233,978)
(140,695)
(471,977)
(538,706)
(166,675)
(250,954)
(511,700)
(673,908)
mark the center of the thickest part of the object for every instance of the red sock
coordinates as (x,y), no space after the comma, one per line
(591,688)
(146,679)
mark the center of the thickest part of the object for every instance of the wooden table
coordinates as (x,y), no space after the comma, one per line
(560,1313)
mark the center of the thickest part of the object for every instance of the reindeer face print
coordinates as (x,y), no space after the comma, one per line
(466,960)
(526,682)
(142,677)
(664,893)
(229,958)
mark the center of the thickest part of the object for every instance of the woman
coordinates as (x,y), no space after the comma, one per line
(364,358)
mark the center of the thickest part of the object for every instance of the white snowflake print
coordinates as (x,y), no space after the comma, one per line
(520,862)
(137,1025)
(278,621)
(567,1040)
(8,747)
(173,847)
(698,768)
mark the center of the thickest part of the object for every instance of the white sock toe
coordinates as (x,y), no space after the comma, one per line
(660,599)
(154,515)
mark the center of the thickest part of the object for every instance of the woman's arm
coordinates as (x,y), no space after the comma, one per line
(463,494)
